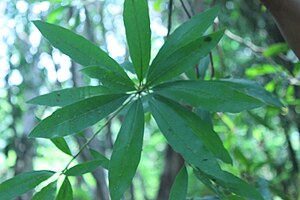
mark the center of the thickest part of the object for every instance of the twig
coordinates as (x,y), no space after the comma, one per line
(170,9)
(185,9)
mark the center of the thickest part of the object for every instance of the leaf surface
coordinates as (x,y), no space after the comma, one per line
(184,141)
(203,131)
(46,193)
(138,34)
(62,145)
(216,96)
(71,95)
(180,186)
(187,32)
(182,59)
(79,49)
(78,116)
(126,151)
(108,77)
(65,192)
(22,183)
(86,167)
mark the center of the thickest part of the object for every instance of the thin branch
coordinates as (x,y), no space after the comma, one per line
(185,9)
(97,132)
(170,10)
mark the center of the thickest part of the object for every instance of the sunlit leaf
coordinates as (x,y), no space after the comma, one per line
(138,34)
(181,60)
(65,192)
(80,49)
(22,183)
(260,70)
(71,95)
(180,186)
(47,193)
(126,151)
(62,145)
(78,116)
(276,49)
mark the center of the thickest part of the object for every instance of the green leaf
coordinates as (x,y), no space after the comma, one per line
(65,192)
(276,49)
(253,89)
(78,116)
(126,151)
(217,96)
(181,60)
(203,131)
(189,31)
(80,49)
(98,156)
(86,167)
(260,70)
(184,141)
(22,183)
(138,34)
(46,193)
(108,77)
(180,186)
(62,145)
(71,95)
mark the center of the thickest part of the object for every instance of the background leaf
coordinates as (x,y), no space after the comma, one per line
(46,193)
(80,49)
(181,60)
(126,151)
(71,95)
(65,192)
(180,186)
(99,156)
(75,117)
(138,34)
(22,183)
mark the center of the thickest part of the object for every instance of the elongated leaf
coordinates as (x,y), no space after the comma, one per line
(187,32)
(65,192)
(182,59)
(98,156)
(192,149)
(126,151)
(218,96)
(138,34)
(46,193)
(180,186)
(62,145)
(79,49)
(85,167)
(71,95)
(108,77)
(22,183)
(78,116)
(202,130)
(253,89)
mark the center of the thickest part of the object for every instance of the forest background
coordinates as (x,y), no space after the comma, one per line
(264,142)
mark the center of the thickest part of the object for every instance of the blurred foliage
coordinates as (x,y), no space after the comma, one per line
(264,142)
